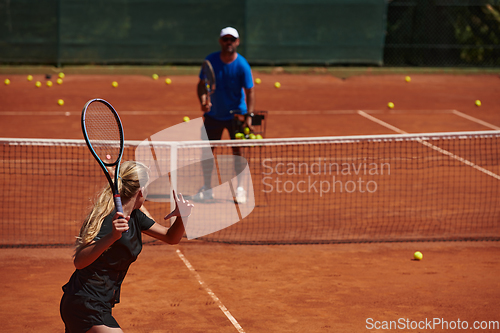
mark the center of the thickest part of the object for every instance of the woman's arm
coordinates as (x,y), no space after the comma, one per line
(91,252)
(173,235)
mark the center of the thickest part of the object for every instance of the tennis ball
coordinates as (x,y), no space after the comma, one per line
(478,103)
(61,75)
(186,119)
(258,81)
(114,84)
(390,105)
(407,79)
(59,81)
(418,255)
(7,81)
(246,130)
(49,83)
(252,136)
(258,136)
(29,77)
(60,102)
(38,84)
(168,81)
(239,136)
(277,84)
(155,76)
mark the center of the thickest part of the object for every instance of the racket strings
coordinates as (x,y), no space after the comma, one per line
(209,76)
(103,131)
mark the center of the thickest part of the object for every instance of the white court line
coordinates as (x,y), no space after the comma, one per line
(124,113)
(427,144)
(211,293)
(380,122)
(33,113)
(298,112)
(173,113)
(272,112)
(479,121)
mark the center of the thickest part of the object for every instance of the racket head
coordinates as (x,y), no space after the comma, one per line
(103,132)
(209,76)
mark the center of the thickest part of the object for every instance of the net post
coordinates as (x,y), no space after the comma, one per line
(174,146)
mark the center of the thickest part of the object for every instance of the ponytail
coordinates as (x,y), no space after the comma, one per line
(132,176)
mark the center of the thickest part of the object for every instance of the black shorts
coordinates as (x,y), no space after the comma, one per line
(80,313)
(215,127)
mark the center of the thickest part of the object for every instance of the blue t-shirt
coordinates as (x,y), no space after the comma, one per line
(230,80)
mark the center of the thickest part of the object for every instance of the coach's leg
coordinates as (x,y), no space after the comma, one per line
(214,129)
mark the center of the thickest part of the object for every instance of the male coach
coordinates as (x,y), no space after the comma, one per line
(234,91)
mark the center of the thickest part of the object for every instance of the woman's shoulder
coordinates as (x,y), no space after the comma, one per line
(144,221)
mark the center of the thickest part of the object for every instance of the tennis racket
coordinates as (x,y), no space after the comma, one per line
(103,133)
(209,78)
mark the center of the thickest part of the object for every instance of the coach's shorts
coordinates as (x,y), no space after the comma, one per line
(215,128)
(81,313)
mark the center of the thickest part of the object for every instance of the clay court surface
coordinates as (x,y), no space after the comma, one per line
(292,288)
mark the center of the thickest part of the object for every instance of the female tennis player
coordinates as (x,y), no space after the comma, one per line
(108,243)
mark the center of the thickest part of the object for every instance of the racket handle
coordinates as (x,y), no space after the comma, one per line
(118,203)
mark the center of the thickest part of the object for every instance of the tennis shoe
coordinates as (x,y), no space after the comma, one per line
(241,195)
(203,194)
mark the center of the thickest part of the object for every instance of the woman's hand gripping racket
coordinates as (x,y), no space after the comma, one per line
(103,133)
(209,80)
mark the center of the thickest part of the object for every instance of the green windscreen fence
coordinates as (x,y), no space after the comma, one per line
(324,32)
(316,31)
(185,31)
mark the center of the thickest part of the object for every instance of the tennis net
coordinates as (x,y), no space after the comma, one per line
(415,187)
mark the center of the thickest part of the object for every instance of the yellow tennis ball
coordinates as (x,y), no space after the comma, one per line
(59,81)
(246,130)
(239,136)
(155,76)
(61,75)
(390,105)
(60,102)
(114,84)
(186,119)
(258,81)
(478,103)
(258,136)
(38,84)
(407,79)
(418,255)
(277,84)
(7,81)
(29,77)
(168,81)
(49,83)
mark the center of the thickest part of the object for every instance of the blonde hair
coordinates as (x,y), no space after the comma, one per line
(133,175)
